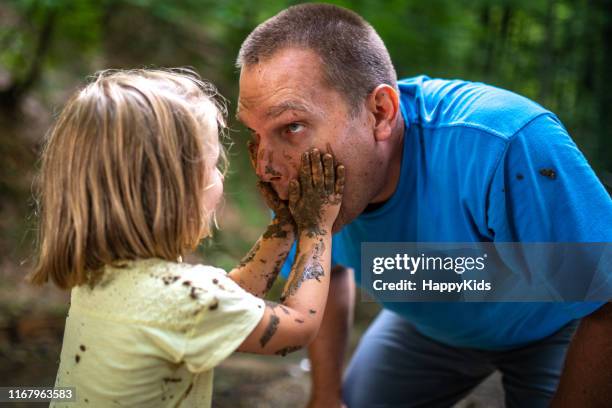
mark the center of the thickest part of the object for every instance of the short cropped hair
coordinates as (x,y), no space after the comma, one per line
(355,59)
(123,171)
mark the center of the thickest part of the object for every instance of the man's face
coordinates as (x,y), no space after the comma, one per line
(288,109)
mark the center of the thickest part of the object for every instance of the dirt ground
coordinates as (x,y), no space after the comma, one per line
(251,381)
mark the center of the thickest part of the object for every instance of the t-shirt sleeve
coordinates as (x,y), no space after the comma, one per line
(544,190)
(227,315)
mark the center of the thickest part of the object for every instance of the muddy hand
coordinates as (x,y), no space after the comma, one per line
(280,207)
(315,200)
(282,215)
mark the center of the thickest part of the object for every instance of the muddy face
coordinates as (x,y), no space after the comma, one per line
(288,109)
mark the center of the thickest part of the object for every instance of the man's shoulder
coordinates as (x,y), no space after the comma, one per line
(444,103)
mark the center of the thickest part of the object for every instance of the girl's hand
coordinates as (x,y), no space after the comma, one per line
(315,200)
(282,215)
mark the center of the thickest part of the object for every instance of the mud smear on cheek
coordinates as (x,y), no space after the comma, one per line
(270,170)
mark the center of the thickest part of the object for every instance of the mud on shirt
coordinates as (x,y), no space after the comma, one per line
(151,332)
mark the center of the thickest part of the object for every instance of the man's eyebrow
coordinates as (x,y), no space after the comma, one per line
(282,107)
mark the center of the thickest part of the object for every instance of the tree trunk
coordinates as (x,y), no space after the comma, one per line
(11,97)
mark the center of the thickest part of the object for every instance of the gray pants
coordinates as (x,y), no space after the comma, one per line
(395,366)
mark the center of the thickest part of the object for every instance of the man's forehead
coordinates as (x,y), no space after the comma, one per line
(276,108)
(290,78)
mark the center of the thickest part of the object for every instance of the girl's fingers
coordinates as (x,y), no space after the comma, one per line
(305,173)
(294,193)
(340,179)
(328,169)
(317,170)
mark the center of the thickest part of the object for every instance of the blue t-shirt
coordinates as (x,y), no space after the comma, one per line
(471,163)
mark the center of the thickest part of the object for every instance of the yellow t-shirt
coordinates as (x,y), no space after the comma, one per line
(150,333)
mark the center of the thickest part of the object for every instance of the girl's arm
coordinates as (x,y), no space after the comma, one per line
(314,202)
(259,268)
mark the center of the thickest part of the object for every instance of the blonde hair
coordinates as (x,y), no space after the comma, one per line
(123,172)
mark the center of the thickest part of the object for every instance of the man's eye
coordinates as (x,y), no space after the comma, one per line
(295,128)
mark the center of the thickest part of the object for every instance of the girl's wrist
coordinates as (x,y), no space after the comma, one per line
(281,227)
(314,231)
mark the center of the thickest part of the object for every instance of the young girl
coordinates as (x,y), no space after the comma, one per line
(129,185)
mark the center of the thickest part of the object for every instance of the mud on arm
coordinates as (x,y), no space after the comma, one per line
(314,202)
(260,267)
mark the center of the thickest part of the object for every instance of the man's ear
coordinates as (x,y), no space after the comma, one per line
(383,104)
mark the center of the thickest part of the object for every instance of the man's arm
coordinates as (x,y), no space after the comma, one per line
(586,380)
(327,350)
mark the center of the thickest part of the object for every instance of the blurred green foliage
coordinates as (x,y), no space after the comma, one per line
(557,52)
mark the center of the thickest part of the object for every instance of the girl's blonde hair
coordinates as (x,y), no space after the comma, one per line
(123,172)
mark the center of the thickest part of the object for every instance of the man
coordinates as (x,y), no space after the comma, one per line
(428,160)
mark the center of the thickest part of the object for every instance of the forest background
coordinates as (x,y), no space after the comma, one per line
(556,52)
